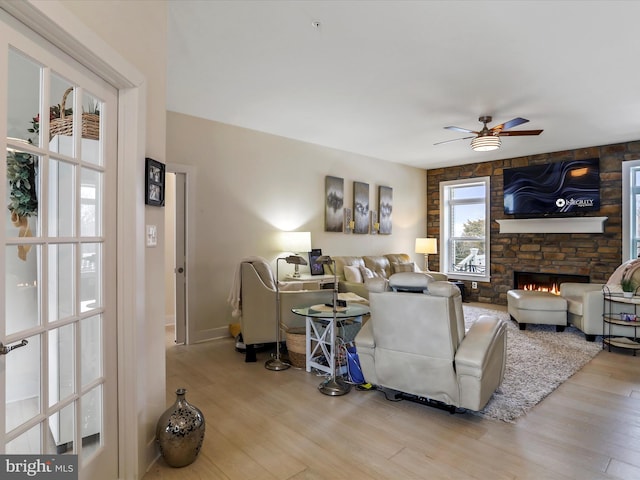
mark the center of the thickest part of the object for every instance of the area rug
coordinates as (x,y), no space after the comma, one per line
(539,359)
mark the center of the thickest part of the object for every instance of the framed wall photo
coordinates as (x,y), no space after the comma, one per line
(361,207)
(333,204)
(154,187)
(385,208)
(315,268)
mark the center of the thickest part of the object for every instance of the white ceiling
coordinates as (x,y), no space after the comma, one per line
(382,78)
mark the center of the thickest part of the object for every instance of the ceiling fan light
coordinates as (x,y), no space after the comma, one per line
(486,143)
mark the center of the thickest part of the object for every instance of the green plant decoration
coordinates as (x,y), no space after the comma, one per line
(627,285)
(21,174)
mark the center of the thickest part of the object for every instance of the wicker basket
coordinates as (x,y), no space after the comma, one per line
(297,346)
(64,124)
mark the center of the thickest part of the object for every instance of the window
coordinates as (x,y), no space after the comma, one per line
(464,234)
(630,210)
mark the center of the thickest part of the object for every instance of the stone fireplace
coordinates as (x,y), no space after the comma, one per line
(545,282)
(593,255)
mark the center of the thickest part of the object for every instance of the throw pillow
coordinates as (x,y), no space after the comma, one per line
(367,273)
(376,284)
(352,274)
(403,267)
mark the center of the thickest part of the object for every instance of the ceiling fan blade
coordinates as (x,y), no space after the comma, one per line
(510,124)
(516,133)
(463,130)
(454,140)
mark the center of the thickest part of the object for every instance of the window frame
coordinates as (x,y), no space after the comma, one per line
(446,204)
(629,220)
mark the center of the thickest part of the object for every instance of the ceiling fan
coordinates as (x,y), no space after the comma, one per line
(489,138)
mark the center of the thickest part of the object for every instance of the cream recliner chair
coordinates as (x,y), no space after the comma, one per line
(415,343)
(258,305)
(585,303)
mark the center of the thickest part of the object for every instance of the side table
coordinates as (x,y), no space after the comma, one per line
(620,327)
(314,282)
(322,332)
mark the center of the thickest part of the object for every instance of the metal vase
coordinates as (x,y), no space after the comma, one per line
(180,432)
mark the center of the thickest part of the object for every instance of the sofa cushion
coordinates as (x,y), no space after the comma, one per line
(403,267)
(378,264)
(574,305)
(341,261)
(377,284)
(367,273)
(398,258)
(352,274)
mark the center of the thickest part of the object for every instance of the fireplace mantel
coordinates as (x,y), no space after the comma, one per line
(553,225)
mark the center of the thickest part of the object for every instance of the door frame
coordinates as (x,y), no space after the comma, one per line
(53,22)
(189,234)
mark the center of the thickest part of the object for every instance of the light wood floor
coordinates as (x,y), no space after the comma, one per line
(276,425)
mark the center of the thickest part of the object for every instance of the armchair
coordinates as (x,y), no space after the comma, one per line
(258,305)
(585,303)
(415,343)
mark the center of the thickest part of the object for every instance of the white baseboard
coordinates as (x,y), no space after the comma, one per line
(210,334)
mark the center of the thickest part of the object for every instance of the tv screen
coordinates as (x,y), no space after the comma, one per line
(559,188)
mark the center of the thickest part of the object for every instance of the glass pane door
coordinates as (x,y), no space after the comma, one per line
(60,389)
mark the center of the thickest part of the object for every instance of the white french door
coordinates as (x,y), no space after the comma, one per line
(58,186)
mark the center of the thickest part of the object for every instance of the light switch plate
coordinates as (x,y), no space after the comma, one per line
(152,235)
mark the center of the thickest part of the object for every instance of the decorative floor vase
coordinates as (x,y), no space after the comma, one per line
(180,432)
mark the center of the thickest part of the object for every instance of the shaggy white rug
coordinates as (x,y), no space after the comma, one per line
(539,359)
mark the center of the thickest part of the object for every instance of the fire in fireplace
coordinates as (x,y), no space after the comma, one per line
(545,282)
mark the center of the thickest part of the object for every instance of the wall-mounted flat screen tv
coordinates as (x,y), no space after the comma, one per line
(559,188)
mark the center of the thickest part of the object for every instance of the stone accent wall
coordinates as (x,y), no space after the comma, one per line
(595,255)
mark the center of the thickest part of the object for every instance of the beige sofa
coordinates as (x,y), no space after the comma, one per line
(382,266)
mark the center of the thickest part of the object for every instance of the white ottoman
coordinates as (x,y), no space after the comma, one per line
(528,306)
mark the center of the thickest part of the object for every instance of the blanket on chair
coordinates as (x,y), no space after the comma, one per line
(236,283)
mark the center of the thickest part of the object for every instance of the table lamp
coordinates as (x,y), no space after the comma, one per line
(334,385)
(296,242)
(426,246)
(276,362)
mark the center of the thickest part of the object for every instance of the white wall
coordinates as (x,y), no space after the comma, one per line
(137,30)
(251,185)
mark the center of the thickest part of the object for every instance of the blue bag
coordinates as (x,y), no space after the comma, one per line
(354,371)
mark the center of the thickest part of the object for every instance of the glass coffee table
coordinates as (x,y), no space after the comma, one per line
(322,332)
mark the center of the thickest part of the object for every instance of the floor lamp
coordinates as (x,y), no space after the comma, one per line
(426,246)
(334,385)
(276,362)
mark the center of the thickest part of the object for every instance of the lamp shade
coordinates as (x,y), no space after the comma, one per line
(296,242)
(486,143)
(426,245)
(295,260)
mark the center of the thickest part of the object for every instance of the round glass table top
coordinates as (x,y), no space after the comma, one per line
(326,311)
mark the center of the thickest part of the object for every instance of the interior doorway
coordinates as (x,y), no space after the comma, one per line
(176,253)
